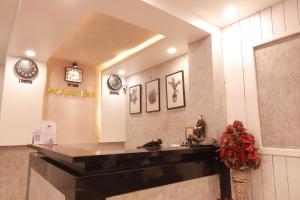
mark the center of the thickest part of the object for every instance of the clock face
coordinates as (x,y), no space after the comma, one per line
(73,75)
(114,82)
(26,69)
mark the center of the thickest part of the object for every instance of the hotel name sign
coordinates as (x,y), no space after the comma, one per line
(67,92)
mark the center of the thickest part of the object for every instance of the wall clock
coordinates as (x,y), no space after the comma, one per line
(114,84)
(26,69)
(73,74)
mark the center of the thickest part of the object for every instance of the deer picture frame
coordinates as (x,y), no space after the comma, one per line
(175,90)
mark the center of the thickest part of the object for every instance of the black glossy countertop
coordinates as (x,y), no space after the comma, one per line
(94,158)
(97,172)
(76,153)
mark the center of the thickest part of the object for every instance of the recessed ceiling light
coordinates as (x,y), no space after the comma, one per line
(171,50)
(30,53)
(229,12)
(121,72)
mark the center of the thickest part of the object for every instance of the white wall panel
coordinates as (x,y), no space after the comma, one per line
(293,170)
(236,49)
(229,75)
(255,28)
(291,14)
(298,6)
(251,100)
(266,24)
(278,19)
(257,184)
(281,179)
(268,177)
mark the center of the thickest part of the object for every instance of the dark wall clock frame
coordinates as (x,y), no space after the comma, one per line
(73,75)
(114,84)
(26,70)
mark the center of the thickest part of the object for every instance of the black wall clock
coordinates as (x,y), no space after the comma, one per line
(114,83)
(26,69)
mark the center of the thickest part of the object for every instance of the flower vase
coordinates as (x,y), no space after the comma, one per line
(239,180)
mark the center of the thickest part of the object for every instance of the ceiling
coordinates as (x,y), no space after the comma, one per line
(8,10)
(99,38)
(94,31)
(60,28)
(212,10)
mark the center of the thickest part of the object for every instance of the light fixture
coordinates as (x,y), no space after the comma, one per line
(129,52)
(30,53)
(229,12)
(171,50)
(121,72)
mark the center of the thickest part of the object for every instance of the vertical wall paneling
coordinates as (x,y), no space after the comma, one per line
(281,179)
(255,28)
(238,73)
(228,72)
(293,166)
(266,24)
(251,101)
(298,6)
(278,19)
(268,177)
(291,14)
(257,185)
(249,188)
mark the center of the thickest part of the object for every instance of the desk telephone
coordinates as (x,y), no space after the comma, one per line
(154,144)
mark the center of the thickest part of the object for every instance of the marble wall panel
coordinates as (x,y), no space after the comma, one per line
(206,188)
(13,172)
(278,72)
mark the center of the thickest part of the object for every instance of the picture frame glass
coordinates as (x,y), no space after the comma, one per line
(175,90)
(153,96)
(135,99)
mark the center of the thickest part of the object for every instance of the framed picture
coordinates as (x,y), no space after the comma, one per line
(153,96)
(175,90)
(135,103)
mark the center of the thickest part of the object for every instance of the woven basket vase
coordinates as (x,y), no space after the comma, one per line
(239,179)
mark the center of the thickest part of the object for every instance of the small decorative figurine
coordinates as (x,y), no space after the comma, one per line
(199,130)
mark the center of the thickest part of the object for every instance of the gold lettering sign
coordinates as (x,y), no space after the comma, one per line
(61,91)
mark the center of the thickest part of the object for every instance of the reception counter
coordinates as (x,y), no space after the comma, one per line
(77,173)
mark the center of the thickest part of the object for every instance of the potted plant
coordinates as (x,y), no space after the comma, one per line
(238,153)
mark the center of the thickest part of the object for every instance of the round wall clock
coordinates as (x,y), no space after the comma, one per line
(26,69)
(114,82)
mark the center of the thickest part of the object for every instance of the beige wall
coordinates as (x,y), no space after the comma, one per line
(199,90)
(278,177)
(21,105)
(75,116)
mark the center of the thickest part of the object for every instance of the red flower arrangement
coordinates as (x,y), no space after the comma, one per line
(237,149)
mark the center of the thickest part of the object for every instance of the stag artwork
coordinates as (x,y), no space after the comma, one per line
(174,85)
